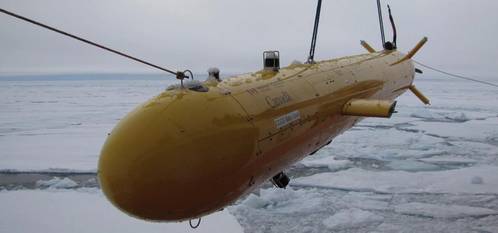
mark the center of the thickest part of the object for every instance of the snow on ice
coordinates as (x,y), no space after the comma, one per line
(87,210)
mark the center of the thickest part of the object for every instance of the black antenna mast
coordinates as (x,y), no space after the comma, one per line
(311,57)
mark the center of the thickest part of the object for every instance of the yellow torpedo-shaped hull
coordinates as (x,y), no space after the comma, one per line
(185,154)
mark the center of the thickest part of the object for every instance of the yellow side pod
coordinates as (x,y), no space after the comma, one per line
(369,108)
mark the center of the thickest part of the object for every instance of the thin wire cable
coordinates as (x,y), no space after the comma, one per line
(456,75)
(88,42)
(381,24)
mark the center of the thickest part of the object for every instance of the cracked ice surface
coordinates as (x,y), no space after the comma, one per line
(427,169)
(451,181)
(442,211)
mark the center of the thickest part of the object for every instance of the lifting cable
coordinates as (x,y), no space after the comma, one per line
(311,57)
(381,24)
(179,75)
(455,75)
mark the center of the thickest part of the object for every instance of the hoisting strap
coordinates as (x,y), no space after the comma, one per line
(179,74)
(315,32)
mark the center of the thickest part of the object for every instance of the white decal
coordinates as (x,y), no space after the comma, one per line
(287,119)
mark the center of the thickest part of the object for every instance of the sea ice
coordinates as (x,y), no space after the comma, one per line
(87,210)
(482,130)
(72,147)
(62,123)
(367,202)
(412,166)
(450,181)
(396,119)
(330,162)
(57,183)
(476,180)
(284,200)
(487,229)
(445,116)
(383,144)
(442,211)
(255,202)
(351,218)
(449,160)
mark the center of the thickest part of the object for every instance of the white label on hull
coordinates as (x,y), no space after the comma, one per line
(286,119)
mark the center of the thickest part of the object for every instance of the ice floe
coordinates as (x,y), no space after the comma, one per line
(476,180)
(87,210)
(57,183)
(255,202)
(450,181)
(384,144)
(62,123)
(481,130)
(351,218)
(447,116)
(284,201)
(442,211)
(330,162)
(412,165)
(400,163)
(367,202)
(449,160)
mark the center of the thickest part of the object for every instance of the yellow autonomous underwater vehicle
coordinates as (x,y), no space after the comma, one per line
(186,153)
(190,151)
(196,148)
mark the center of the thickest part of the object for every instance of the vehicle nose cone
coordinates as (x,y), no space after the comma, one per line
(134,163)
(178,157)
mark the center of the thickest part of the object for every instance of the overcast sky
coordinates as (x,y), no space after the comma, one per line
(232,35)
